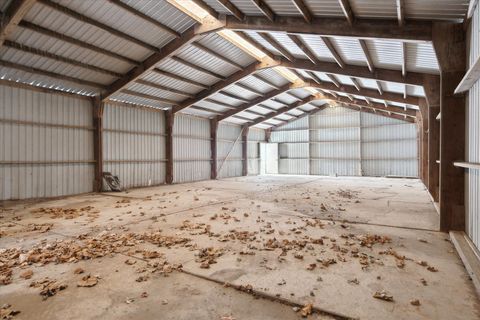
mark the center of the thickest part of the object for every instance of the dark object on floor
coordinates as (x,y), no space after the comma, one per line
(112,181)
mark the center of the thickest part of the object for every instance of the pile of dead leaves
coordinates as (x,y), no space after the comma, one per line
(208,256)
(67,213)
(48,287)
(7,313)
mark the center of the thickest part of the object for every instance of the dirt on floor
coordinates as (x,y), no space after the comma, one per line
(264,247)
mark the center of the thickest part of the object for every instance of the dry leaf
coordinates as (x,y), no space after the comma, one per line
(27,274)
(87,281)
(383,295)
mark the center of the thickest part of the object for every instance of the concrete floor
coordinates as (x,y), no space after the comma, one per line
(378,234)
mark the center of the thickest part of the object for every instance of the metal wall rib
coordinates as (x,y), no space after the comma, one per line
(46,144)
(134,144)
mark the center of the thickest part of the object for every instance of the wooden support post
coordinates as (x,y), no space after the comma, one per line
(268,134)
(423,138)
(169,121)
(97,108)
(213,148)
(450,46)
(432,92)
(245,150)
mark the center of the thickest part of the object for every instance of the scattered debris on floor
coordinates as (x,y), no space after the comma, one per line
(87,281)
(7,313)
(48,287)
(383,295)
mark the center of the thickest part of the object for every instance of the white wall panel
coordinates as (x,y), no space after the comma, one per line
(134,145)
(191,149)
(46,144)
(229,150)
(255,136)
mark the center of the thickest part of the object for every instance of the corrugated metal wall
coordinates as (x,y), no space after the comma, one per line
(46,144)
(293,147)
(134,144)
(191,149)
(255,136)
(339,141)
(229,150)
(473,138)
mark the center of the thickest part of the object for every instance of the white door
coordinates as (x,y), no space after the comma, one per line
(268,158)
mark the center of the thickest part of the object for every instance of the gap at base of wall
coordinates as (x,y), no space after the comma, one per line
(470,256)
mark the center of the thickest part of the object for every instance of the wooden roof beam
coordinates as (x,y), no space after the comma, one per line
(400,12)
(104,27)
(143,16)
(46,54)
(336,27)
(168,51)
(179,78)
(59,36)
(12,17)
(164,88)
(197,68)
(368,56)
(303,9)
(232,9)
(216,55)
(333,79)
(237,76)
(379,87)
(51,74)
(386,114)
(305,49)
(270,95)
(333,51)
(284,52)
(265,9)
(347,10)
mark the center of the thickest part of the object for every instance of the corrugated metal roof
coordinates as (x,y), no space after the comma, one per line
(374,9)
(65,49)
(350,50)
(227,49)
(247,7)
(203,60)
(123,97)
(318,47)
(272,76)
(329,8)
(386,53)
(172,83)
(240,92)
(186,72)
(421,57)
(436,9)
(155,92)
(45,81)
(64,24)
(47,64)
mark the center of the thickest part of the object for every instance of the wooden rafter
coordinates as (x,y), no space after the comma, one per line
(148,64)
(305,49)
(303,9)
(143,16)
(234,96)
(12,17)
(271,41)
(400,12)
(368,56)
(283,110)
(266,81)
(76,42)
(51,74)
(232,9)
(333,79)
(270,95)
(46,54)
(179,78)
(216,55)
(379,87)
(217,113)
(355,84)
(85,19)
(197,68)
(164,88)
(237,76)
(219,103)
(377,106)
(149,96)
(335,27)
(404,59)
(347,10)
(303,115)
(387,114)
(255,44)
(333,51)
(247,88)
(265,9)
